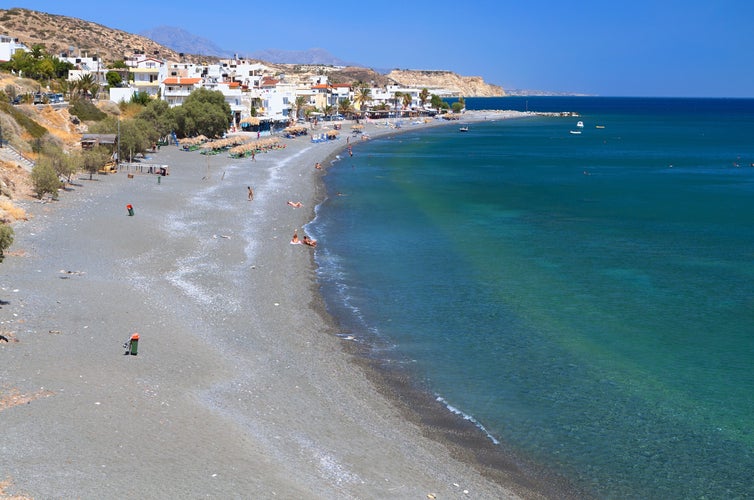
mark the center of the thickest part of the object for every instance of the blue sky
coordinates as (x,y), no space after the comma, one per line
(690,48)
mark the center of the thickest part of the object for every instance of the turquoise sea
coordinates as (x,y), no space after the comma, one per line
(586,299)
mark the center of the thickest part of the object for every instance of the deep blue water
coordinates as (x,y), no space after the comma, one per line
(588,299)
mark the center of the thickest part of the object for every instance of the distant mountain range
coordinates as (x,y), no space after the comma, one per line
(184,42)
(310,56)
(187,43)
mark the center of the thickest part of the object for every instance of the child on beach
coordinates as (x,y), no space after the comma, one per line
(251,193)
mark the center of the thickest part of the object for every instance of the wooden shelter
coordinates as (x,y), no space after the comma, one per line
(91,141)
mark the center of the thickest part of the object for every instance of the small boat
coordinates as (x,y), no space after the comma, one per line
(599,126)
(580,124)
(576,132)
(464,129)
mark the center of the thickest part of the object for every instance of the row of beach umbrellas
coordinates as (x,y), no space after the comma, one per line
(256,146)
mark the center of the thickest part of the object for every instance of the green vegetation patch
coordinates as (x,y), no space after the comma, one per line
(36,130)
(86,110)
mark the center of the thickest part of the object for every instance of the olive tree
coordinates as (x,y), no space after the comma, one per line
(94,159)
(44,179)
(205,112)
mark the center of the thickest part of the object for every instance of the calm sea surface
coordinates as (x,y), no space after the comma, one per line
(587,298)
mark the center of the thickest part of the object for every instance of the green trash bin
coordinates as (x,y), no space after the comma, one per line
(133,344)
(130,209)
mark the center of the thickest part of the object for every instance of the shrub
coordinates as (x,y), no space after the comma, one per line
(44,179)
(33,128)
(6,239)
(86,110)
(14,212)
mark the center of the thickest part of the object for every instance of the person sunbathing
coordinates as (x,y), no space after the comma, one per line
(295,240)
(296,204)
(309,241)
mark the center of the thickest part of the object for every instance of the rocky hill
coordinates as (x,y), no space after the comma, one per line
(62,34)
(467,86)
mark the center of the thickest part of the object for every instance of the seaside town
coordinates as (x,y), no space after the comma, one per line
(261,98)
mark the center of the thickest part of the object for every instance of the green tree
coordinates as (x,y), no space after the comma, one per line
(407,100)
(113,79)
(397,97)
(299,104)
(6,239)
(423,97)
(119,64)
(159,115)
(135,137)
(86,86)
(362,97)
(44,179)
(205,112)
(45,68)
(457,107)
(94,159)
(345,107)
(61,162)
(437,103)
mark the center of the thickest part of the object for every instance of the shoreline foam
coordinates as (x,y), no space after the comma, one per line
(232,394)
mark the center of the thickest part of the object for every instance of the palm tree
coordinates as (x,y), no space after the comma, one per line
(345,107)
(407,100)
(362,97)
(86,86)
(423,97)
(396,99)
(299,104)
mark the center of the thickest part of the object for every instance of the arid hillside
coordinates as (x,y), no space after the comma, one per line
(59,34)
(467,86)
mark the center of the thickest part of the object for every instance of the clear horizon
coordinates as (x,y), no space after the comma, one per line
(642,48)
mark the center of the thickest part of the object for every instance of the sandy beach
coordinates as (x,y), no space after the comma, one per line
(241,387)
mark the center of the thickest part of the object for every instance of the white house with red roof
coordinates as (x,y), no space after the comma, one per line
(176,89)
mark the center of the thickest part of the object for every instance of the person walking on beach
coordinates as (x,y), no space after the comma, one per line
(251,193)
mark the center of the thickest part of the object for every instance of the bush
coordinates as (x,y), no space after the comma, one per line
(33,128)
(86,110)
(6,239)
(44,179)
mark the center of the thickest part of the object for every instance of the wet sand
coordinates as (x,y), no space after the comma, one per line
(241,387)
